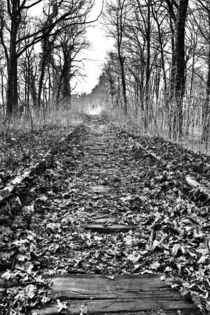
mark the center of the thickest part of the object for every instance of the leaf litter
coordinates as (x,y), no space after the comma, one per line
(45,236)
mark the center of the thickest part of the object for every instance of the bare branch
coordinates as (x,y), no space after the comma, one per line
(31,5)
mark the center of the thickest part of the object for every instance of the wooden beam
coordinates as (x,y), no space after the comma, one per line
(102,228)
(124,295)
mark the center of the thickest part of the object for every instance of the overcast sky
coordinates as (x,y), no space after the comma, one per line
(95,56)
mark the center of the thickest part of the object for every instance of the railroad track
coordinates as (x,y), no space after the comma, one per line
(101,207)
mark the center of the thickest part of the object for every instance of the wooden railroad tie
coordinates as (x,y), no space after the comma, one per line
(142,294)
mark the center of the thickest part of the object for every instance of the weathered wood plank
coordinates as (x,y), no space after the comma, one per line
(169,312)
(101,286)
(104,220)
(92,149)
(100,188)
(123,295)
(118,306)
(98,227)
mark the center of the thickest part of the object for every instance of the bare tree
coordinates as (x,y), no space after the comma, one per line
(205,32)
(14,15)
(116,16)
(180,62)
(113,76)
(68,48)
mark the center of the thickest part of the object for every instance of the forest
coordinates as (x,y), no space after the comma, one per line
(157,74)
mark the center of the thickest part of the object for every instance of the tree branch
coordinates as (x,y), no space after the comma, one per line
(31,5)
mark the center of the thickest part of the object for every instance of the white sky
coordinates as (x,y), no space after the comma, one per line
(97,53)
(95,56)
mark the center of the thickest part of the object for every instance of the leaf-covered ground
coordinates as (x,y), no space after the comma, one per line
(21,149)
(44,231)
(187,161)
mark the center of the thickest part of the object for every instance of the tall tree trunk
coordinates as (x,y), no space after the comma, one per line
(66,92)
(148,63)
(179,87)
(2,91)
(170,98)
(173,60)
(123,81)
(111,87)
(40,85)
(66,86)
(46,58)
(206,109)
(12,90)
(120,34)
(162,54)
(33,89)
(66,76)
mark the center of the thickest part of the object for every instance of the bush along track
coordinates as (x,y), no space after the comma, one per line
(97,176)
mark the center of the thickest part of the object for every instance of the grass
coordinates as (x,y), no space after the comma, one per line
(158,125)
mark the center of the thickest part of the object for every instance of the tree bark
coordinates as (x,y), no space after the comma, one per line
(120,33)
(206,109)
(66,77)
(148,55)
(123,81)
(46,56)
(41,79)
(12,90)
(33,89)
(179,88)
